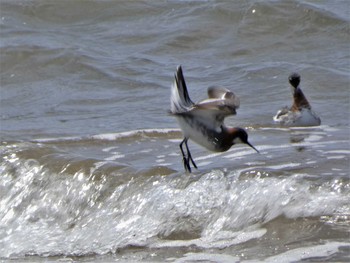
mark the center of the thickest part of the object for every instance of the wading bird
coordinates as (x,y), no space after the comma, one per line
(203,122)
(300,114)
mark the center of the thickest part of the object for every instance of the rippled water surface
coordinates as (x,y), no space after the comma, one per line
(90,166)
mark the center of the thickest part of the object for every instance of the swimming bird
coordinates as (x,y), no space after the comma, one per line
(300,114)
(203,122)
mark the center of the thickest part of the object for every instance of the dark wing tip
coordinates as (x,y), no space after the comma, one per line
(181,84)
(179,74)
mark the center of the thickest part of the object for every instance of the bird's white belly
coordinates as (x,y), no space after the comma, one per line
(308,118)
(304,117)
(196,132)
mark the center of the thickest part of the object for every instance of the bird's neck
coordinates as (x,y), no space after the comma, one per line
(231,134)
(300,100)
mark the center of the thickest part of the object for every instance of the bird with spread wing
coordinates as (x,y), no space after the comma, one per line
(203,122)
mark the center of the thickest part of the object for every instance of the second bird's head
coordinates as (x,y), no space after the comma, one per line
(294,80)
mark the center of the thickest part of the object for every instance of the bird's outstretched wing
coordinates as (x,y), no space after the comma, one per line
(221,100)
(220,104)
(226,96)
(211,112)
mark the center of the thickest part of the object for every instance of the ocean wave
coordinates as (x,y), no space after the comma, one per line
(123,190)
(118,136)
(214,210)
(149,149)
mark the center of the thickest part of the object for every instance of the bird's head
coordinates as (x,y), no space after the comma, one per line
(241,136)
(294,80)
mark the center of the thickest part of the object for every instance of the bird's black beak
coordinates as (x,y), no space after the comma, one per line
(252,146)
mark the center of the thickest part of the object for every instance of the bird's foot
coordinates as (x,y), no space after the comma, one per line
(191,159)
(187,163)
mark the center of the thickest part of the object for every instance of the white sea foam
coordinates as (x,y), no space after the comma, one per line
(339,157)
(282,166)
(339,151)
(110,136)
(220,240)
(212,209)
(207,257)
(115,136)
(304,253)
(115,156)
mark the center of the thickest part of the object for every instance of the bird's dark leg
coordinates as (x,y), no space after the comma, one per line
(189,156)
(184,158)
